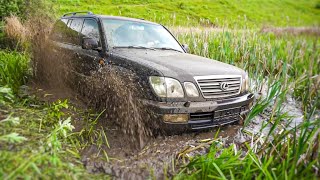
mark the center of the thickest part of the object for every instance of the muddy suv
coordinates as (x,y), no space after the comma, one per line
(184,91)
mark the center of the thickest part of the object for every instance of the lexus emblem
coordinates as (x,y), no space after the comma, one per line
(224,86)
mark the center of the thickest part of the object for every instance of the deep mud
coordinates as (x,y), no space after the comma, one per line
(159,156)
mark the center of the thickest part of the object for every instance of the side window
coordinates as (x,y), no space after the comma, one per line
(64,21)
(59,31)
(75,26)
(91,29)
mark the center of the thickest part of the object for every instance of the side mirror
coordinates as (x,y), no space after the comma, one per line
(185,47)
(90,44)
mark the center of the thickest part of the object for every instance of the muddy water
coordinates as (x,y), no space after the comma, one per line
(159,156)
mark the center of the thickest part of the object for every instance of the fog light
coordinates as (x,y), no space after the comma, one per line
(176,118)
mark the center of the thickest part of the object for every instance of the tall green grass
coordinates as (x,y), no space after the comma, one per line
(291,60)
(282,65)
(14,69)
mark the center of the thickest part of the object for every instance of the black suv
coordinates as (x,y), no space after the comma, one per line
(183,90)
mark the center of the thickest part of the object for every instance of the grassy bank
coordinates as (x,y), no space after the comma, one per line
(230,13)
(37,139)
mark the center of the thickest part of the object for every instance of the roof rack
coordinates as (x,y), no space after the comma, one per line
(75,13)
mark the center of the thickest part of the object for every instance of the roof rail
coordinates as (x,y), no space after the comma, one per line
(74,13)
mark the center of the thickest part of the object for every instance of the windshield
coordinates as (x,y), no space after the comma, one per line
(123,33)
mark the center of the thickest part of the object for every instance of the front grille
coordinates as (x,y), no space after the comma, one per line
(200,120)
(219,86)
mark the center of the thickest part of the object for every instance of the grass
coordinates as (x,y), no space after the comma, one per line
(231,13)
(291,60)
(14,69)
(287,65)
(36,140)
(284,157)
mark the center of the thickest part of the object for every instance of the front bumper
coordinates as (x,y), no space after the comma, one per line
(201,115)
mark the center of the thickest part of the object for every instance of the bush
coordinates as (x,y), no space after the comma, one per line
(12,7)
(14,69)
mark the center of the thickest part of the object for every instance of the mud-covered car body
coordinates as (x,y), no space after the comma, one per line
(222,91)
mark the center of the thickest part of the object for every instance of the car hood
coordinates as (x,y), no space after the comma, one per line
(173,64)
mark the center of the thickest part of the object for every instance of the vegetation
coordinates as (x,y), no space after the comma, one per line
(231,13)
(12,7)
(14,69)
(287,64)
(291,60)
(38,140)
(280,158)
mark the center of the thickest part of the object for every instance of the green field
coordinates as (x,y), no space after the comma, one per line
(233,13)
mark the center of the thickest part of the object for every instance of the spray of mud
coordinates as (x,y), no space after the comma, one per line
(33,36)
(115,91)
(108,89)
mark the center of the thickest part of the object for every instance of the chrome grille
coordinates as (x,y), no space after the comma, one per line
(214,86)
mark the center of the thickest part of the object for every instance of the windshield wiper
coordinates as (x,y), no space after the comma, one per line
(136,47)
(167,48)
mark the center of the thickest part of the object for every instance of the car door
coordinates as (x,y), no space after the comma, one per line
(90,58)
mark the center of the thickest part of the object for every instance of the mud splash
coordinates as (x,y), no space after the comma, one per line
(161,157)
(115,92)
(109,89)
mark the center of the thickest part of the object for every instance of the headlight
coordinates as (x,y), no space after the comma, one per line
(191,89)
(245,83)
(159,85)
(166,87)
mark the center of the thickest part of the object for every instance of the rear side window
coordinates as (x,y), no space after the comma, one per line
(75,26)
(59,31)
(90,29)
